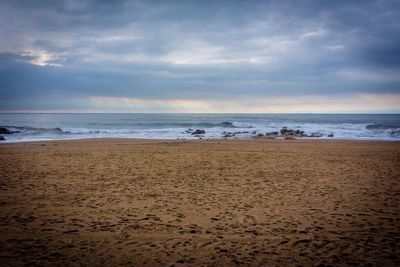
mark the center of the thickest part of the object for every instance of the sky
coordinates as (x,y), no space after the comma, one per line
(200,56)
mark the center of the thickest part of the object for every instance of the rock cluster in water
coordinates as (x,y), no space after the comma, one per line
(196,133)
(284,132)
(290,134)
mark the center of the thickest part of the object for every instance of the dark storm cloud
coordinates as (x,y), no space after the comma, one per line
(72,50)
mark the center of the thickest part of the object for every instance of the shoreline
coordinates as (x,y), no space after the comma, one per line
(279,139)
(254,202)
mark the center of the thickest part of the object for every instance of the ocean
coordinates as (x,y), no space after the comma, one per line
(51,126)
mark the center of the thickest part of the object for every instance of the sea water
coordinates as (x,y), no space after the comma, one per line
(51,126)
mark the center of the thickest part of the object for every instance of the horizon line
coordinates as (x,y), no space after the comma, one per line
(255,113)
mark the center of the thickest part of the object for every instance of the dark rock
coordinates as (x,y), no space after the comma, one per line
(228,135)
(284,130)
(254,132)
(189,130)
(198,131)
(289,132)
(258,135)
(4,130)
(2,138)
(331,135)
(275,133)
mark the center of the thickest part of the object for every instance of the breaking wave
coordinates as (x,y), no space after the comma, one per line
(156,126)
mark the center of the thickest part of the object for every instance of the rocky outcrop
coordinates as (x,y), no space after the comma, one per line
(284,130)
(273,134)
(198,131)
(288,132)
(2,138)
(299,133)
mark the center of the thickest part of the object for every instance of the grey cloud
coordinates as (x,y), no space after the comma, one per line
(195,49)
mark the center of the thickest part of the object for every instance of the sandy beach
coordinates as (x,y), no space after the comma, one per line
(108,202)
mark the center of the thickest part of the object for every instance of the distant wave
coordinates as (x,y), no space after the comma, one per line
(392,130)
(382,126)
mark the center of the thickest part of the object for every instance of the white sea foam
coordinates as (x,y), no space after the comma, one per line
(37,127)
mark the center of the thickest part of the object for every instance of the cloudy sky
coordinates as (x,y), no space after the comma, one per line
(200,56)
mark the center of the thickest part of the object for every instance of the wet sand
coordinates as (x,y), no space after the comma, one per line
(110,202)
